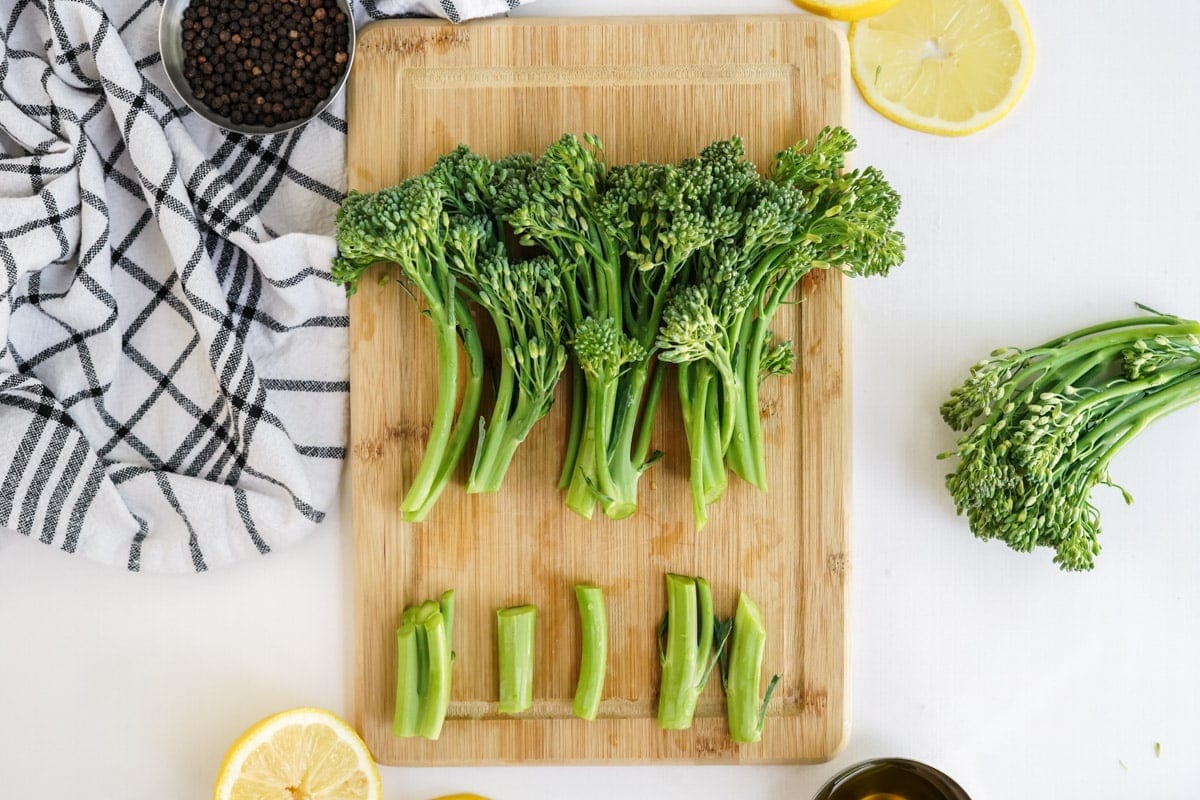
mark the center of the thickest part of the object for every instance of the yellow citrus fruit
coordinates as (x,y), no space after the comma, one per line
(461,796)
(846,9)
(950,67)
(302,754)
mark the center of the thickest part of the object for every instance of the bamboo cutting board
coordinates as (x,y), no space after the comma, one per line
(653,89)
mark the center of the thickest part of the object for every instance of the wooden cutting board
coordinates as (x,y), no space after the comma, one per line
(653,89)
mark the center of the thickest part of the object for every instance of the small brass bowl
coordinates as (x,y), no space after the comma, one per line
(891,779)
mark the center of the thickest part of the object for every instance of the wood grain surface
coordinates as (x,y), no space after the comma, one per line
(653,89)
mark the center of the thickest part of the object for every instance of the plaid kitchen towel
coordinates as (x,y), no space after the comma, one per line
(173,382)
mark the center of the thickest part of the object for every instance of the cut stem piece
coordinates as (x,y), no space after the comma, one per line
(687,655)
(437,690)
(593,659)
(742,673)
(408,699)
(515,632)
(423,664)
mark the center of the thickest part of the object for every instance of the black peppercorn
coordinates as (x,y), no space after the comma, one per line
(264,62)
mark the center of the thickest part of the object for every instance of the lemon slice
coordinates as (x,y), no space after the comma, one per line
(846,9)
(950,67)
(302,754)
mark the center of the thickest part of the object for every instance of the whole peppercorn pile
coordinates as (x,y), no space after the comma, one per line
(264,62)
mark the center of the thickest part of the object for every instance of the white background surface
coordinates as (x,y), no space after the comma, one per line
(1018,680)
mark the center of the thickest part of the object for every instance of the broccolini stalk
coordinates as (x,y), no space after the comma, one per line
(661,210)
(437,690)
(515,629)
(408,670)
(405,225)
(824,219)
(741,673)
(604,354)
(750,222)
(553,202)
(1042,425)
(423,665)
(699,333)
(525,301)
(593,658)
(685,650)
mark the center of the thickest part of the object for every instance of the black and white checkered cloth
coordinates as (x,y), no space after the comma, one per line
(173,383)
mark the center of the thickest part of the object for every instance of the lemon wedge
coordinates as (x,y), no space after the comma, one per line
(949,67)
(846,9)
(302,754)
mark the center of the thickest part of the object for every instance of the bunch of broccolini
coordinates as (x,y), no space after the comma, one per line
(1041,426)
(637,267)
(768,233)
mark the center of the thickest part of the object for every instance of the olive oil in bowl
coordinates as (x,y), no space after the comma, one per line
(891,779)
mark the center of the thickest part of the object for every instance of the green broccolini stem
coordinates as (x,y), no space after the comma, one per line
(718,412)
(515,629)
(694,396)
(424,482)
(747,458)
(408,698)
(450,432)
(483,477)
(1102,327)
(591,479)
(622,466)
(593,659)
(641,446)
(1178,391)
(423,664)
(743,673)
(575,428)
(687,657)
(437,691)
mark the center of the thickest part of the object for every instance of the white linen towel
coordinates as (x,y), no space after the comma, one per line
(173,384)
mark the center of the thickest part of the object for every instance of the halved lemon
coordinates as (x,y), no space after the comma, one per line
(950,67)
(846,9)
(302,754)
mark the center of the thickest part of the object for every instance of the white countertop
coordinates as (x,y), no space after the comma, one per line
(1018,680)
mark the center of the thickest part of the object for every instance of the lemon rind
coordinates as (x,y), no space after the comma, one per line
(846,13)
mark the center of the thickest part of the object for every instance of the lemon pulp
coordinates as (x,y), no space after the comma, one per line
(950,67)
(302,754)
